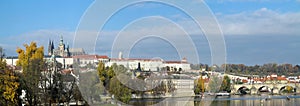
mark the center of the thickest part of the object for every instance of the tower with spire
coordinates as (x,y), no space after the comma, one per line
(62,49)
(50,48)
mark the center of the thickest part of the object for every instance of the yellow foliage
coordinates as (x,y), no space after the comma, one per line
(289,89)
(31,52)
(8,84)
(200,84)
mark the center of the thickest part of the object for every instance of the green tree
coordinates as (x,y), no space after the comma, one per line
(119,91)
(101,71)
(111,82)
(226,86)
(31,61)
(88,84)
(9,84)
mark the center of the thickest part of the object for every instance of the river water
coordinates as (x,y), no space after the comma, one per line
(233,100)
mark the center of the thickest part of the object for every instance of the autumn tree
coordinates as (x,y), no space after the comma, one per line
(199,87)
(226,85)
(32,63)
(9,84)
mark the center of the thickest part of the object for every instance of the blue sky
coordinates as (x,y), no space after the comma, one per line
(255,31)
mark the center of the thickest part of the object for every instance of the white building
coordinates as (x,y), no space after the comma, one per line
(150,64)
(146,64)
(178,65)
(90,59)
(65,61)
(11,60)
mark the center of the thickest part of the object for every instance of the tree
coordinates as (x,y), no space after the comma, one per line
(226,86)
(9,84)
(199,87)
(288,89)
(214,83)
(88,83)
(32,63)
(111,82)
(119,91)
(101,71)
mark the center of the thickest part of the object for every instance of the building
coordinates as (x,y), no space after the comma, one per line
(132,63)
(76,51)
(63,49)
(64,61)
(12,60)
(149,64)
(90,59)
(177,65)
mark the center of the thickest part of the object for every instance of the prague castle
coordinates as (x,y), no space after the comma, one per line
(63,50)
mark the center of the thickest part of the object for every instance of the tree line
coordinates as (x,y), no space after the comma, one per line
(262,70)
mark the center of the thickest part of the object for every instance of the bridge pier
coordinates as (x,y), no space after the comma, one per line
(297,89)
(233,91)
(253,91)
(275,91)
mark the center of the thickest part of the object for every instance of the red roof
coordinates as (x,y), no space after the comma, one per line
(174,62)
(66,71)
(91,56)
(133,59)
(244,81)
(281,78)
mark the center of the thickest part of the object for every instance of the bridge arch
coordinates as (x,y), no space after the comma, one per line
(287,89)
(243,90)
(273,88)
(264,88)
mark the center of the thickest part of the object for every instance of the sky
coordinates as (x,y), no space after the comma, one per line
(254,31)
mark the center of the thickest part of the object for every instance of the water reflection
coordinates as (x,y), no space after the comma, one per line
(258,100)
(234,100)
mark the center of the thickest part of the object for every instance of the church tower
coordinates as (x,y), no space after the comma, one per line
(61,47)
(50,48)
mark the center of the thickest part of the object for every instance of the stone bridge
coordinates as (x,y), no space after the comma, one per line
(257,88)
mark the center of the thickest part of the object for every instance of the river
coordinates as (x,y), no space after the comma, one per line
(233,100)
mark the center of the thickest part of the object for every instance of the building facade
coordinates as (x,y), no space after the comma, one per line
(63,49)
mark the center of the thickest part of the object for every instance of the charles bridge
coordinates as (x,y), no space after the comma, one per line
(257,88)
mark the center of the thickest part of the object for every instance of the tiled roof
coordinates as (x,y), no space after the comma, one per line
(174,62)
(135,59)
(91,56)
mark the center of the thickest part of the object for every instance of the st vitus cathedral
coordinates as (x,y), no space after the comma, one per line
(62,49)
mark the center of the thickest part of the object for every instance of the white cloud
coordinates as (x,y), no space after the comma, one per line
(42,38)
(261,22)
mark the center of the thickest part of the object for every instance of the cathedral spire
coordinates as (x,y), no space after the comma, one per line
(67,50)
(61,40)
(52,46)
(49,47)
